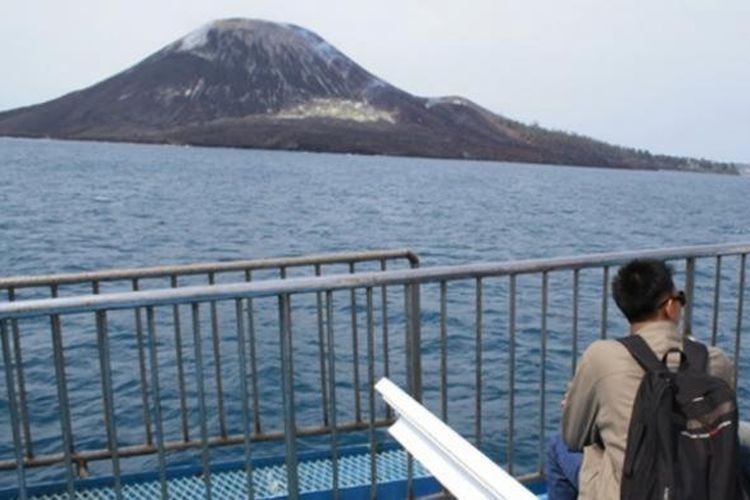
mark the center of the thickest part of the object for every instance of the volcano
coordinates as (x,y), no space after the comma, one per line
(257,84)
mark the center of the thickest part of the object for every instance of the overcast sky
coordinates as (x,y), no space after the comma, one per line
(671,76)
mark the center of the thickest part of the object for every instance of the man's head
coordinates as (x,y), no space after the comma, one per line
(643,290)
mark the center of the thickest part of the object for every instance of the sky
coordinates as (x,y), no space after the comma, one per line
(670,76)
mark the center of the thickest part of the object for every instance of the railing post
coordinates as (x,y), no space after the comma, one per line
(12,405)
(23,406)
(413,340)
(687,321)
(321,351)
(605,301)
(201,393)
(511,370)
(151,322)
(217,361)
(246,429)
(105,369)
(543,372)
(416,332)
(371,393)
(738,331)
(413,362)
(717,293)
(142,368)
(478,364)
(576,284)
(253,359)
(332,393)
(287,393)
(62,400)
(384,313)
(180,369)
(355,349)
(443,352)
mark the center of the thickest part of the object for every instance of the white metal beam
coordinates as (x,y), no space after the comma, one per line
(461,468)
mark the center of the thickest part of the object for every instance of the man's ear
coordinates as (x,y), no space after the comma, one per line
(673,311)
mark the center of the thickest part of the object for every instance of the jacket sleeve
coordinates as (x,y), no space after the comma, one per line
(581,405)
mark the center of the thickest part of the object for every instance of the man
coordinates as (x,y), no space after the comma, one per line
(599,402)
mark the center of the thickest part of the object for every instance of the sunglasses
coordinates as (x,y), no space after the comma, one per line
(679,297)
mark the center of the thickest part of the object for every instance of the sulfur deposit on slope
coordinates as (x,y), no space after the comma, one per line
(337,109)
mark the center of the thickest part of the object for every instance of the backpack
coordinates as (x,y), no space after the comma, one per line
(682,439)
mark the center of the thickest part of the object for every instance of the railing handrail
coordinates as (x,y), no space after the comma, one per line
(275,287)
(206,267)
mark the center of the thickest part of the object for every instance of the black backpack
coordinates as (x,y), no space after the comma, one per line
(682,440)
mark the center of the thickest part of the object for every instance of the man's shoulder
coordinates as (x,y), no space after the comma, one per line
(602,353)
(605,346)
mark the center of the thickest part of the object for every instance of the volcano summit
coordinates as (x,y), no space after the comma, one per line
(257,84)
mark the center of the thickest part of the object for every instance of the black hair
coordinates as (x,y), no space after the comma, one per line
(640,286)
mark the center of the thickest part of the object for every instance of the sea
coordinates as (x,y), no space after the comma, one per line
(69,206)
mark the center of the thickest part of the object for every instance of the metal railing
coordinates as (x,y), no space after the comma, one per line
(523,322)
(174,276)
(210,270)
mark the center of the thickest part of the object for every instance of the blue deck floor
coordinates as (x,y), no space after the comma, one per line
(315,481)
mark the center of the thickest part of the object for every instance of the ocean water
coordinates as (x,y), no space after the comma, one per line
(74,206)
(69,206)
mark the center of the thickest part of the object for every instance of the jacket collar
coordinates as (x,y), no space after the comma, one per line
(663,328)
(660,336)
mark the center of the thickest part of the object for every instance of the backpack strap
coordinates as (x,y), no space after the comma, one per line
(697,356)
(639,349)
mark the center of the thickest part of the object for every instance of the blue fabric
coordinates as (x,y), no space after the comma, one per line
(562,470)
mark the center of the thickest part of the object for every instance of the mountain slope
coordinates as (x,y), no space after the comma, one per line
(249,83)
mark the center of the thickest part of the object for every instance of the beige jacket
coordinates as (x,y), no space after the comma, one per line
(600,400)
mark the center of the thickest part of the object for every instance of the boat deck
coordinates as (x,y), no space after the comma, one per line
(229,481)
(315,481)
